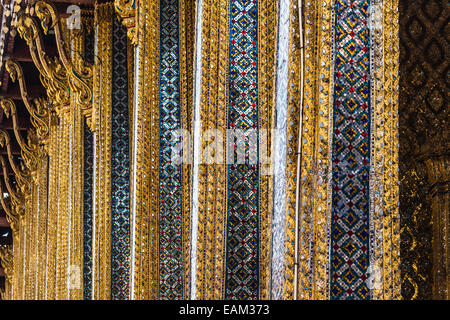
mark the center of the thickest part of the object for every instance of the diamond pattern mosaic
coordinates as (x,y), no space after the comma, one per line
(170,195)
(120,164)
(242,226)
(351,158)
(87,211)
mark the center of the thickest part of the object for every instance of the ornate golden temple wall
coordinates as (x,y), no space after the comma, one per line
(355,183)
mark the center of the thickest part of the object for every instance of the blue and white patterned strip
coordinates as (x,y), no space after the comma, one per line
(120,164)
(170,193)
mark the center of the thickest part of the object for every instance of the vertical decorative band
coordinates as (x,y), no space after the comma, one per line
(243,178)
(120,167)
(170,173)
(162,201)
(314,197)
(102,124)
(351,151)
(88,181)
(279,208)
(234,110)
(88,211)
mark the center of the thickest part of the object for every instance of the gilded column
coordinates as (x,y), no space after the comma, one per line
(53,205)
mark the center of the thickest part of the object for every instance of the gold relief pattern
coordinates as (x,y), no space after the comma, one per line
(294,108)
(151,232)
(126,9)
(53,194)
(102,105)
(6,258)
(212,186)
(145,183)
(79,73)
(212,240)
(45,209)
(267,56)
(315,149)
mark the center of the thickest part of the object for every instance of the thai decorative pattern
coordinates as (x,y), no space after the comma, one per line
(102,125)
(229,149)
(348,212)
(242,235)
(112,176)
(6,259)
(49,254)
(126,9)
(88,178)
(120,163)
(88,213)
(161,244)
(170,192)
(351,152)
(232,205)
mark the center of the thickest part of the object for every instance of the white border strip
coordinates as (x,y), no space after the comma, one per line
(196,145)
(279,196)
(134,179)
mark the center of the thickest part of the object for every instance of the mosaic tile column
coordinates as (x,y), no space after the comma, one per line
(111,123)
(88,183)
(234,104)
(351,156)
(161,245)
(348,237)
(120,167)
(88,168)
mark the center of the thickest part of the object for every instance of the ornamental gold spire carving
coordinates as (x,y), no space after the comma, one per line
(16,196)
(80,76)
(53,74)
(11,216)
(28,148)
(126,9)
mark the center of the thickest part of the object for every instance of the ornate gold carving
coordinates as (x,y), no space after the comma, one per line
(53,75)
(29,148)
(102,108)
(126,9)
(146,175)
(53,196)
(316,152)
(22,176)
(6,257)
(11,215)
(187,40)
(268,25)
(38,109)
(212,206)
(80,76)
